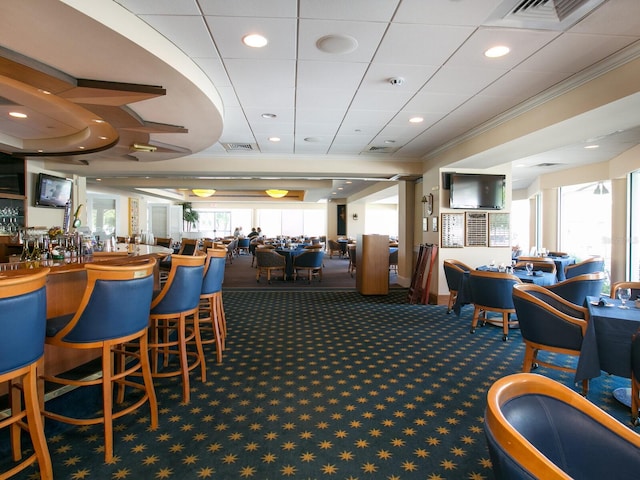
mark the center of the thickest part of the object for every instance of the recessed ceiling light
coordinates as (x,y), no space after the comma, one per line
(81,147)
(348,182)
(592,146)
(102,137)
(274,139)
(18,114)
(254,40)
(98,120)
(416,120)
(340,188)
(497,51)
(268,115)
(389,141)
(337,44)
(312,139)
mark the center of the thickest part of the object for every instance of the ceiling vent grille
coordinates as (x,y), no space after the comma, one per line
(374,149)
(547,165)
(542,14)
(240,147)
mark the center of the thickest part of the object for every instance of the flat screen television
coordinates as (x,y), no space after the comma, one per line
(52,191)
(471,191)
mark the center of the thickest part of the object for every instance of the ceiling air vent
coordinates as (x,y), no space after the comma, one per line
(543,14)
(547,165)
(374,149)
(240,147)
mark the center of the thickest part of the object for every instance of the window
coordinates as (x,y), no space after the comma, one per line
(634,227)
(102,216)
(593,236)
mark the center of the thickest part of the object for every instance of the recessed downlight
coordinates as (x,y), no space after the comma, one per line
(18,115)
(268,115)
(274,139)
(591,147)
(497,51)
(416,120)
(254,40)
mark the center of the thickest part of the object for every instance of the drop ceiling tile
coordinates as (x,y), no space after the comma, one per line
(274,98)
(323,116)
(188,33)
(367,34)
(271,73)
(519,85)
(214,69)
(462,80)
(372,99)
(249,8)
(572,52)
(414,76)
(318,74)
(161,7)
(228,32)
(316,129)
(428,103)
(316,98)
(361,10)
(445,12)
(284,146)
(615,18)
(283,116)
(228,96)
(523,43)
(415,44)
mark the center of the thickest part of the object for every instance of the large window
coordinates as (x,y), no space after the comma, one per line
(102,215)
(585,220)
(634,214)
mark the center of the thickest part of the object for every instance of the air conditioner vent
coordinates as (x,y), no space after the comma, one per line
(543,14)
(375,149)
(240,147)
(547,165)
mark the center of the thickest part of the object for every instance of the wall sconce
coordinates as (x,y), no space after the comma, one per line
(354,216)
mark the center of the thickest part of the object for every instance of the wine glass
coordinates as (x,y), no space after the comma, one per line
(529,267)
(624,294)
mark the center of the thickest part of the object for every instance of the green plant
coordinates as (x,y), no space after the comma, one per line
(189,216)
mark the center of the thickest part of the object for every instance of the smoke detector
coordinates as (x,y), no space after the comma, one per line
(396,81)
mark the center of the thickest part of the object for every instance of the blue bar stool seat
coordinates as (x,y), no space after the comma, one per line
(173,321)
(23,317)
(113,316)
(211,307)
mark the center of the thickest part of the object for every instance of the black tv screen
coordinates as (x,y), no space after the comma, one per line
(472,191)
(52,191)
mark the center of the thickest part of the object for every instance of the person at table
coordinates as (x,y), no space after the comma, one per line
(237,232)
(253,233)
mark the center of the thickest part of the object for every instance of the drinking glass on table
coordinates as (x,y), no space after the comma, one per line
(529,267)
(624,294)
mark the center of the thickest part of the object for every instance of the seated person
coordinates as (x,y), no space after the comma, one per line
(254,233)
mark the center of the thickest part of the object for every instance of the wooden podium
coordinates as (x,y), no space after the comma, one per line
(372,264)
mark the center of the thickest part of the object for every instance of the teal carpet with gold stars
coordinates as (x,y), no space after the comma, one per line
(319,385)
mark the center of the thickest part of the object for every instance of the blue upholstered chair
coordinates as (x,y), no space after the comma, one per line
(454,271)
(576,289)
(113,317)
(492,292)
(590,265)
(243,245)
(311,261)
(174,310)
(635,377)
(537,428)
(23,317)
(549,323)
(211,315)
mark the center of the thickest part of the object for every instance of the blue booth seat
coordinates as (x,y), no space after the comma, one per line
(589,265)
(492,292)
(577,289)
(311,261)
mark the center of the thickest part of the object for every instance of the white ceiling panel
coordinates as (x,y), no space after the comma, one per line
(214,69)
(272,73)
(285,145)
(428,103)
(367,34)
(619,17)
(416,44)
(445,12)
(319,116)
(161,7)
(269,98)
(360,10)
(331,98)
(229,31)
(249,8)
(413,76)
(456,80)
(392,100)
(316,74)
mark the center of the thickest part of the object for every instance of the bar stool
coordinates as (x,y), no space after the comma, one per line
(177,301)
(211,308)
(113,316)
(23,317)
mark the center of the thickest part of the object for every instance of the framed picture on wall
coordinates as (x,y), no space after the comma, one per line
(342,220)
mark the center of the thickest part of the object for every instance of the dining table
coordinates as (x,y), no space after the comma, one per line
(606,346)
(288,254)
(562,261)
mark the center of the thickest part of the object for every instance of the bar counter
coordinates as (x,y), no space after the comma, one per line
(65,286)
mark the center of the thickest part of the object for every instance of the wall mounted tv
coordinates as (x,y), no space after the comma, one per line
(471,191)
(52,191)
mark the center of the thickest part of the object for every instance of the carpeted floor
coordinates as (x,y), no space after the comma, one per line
(321,385)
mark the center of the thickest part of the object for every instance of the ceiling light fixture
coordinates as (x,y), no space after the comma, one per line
(497,51)
(275,193)
(268,115)
(203,192)
(590,147)
(254,40)
(416,120)
(274,139)
(17,115)
(141,147)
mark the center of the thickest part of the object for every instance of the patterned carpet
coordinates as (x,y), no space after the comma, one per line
(321,385)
